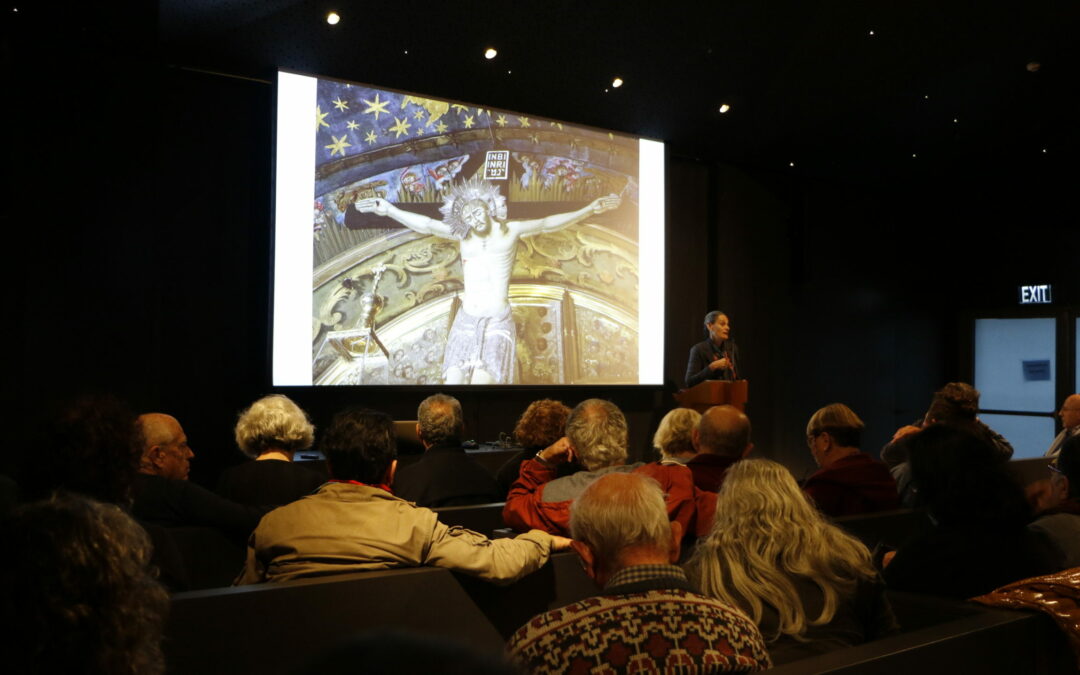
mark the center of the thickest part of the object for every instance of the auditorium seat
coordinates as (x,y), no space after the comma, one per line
(271,628)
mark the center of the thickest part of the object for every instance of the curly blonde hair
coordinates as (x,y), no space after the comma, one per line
(766,535)
(274,422)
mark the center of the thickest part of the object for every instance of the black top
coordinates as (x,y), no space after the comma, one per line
(864,616)
(175,503)
(270,482)
(704,353)
(963,562)
(446,476)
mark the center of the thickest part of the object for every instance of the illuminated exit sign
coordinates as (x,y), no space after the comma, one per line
(1035,295)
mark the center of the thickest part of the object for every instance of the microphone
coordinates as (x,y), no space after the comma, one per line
(731,362)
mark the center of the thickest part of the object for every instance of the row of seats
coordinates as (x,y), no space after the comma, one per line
(275,628)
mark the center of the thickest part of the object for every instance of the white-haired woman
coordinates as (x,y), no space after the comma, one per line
(674,438)
(271,432)
(810,587)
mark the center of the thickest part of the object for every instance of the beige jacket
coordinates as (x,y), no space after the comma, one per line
(346,527)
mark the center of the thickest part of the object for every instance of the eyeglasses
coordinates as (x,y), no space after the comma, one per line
(1053,466)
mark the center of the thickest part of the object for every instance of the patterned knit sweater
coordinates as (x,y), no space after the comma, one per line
(646,620)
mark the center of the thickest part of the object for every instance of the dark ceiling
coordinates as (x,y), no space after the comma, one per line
(939,90)
(844,89)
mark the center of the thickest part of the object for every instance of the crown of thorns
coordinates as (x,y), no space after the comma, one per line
(462,194)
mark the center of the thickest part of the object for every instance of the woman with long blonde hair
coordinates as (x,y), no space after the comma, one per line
(809,586)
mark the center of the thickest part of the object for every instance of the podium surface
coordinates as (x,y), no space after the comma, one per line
(703,396)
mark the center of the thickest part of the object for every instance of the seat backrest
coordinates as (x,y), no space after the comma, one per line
(273,628)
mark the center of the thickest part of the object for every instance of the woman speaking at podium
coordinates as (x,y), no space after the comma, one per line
(717,357)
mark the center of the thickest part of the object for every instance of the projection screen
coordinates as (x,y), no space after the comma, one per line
(422,241)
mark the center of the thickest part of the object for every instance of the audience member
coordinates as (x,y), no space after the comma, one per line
(353,522)
(164,496)
(1070,423)
(955,404)
(1059,519)
(721,438)
(674,438)
(810,587)
(648,617)
(445,475)
(271,432)
(849,481)
(596,435)
(89,445)
(542,423)
(76,591)
(979,540)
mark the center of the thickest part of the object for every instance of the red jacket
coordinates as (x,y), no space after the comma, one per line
(526,508)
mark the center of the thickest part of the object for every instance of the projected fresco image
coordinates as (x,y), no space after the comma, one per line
(456,244)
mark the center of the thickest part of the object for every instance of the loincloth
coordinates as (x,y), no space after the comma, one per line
(485,342)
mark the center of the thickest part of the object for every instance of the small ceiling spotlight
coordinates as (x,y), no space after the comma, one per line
(333,18)
(724,108)
(617,82)
(955,121)
(791,163)
(490,53)
(871,33)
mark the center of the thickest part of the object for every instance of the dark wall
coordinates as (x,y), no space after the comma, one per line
(147,271)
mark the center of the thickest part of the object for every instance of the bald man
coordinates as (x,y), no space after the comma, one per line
(1070,423)
(165,447)
(721,438)
(164,495)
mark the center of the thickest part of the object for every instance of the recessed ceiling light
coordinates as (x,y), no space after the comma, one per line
(955,121)
(617,82)
(791,164)
(490,53)
(913,155)
(1044,150)
(927,97)
(333,18)
(871,33)
(724,108)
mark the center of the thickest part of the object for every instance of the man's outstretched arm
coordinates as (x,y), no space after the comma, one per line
(413,221)
(557,221)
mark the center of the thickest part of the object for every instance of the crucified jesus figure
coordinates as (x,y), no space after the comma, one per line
(480,346)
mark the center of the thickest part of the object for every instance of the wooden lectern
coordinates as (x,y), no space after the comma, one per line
(703,396)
